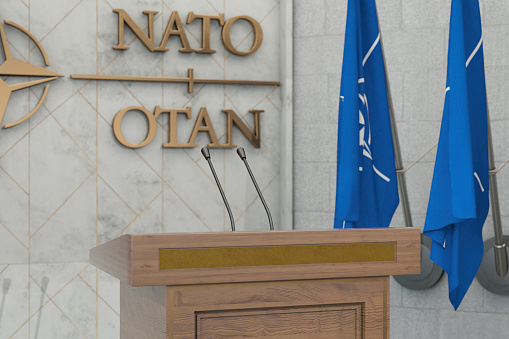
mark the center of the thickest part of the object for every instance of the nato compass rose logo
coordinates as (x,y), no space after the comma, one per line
(16,67)
(365,130)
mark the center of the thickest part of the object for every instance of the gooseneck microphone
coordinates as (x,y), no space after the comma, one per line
(242,155)
(206,154)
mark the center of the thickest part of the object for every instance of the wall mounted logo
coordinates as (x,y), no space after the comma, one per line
(175,28)
(16,67)
(203,123)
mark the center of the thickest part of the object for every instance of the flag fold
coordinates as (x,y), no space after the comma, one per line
(366,188)
(459,197)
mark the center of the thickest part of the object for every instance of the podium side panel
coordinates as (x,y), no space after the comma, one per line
(142,312)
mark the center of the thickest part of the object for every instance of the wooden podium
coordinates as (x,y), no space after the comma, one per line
(279,284)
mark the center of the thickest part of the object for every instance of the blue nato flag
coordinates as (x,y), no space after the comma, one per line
(459,203)
(366,188)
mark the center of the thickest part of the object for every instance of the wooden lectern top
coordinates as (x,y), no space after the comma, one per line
(230,257)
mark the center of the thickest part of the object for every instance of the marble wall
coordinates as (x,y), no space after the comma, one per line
(415,35)
(68,185)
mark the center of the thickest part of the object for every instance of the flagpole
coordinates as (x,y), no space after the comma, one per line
(403,192)
(499,247)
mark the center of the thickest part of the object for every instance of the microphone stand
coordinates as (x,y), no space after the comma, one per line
(242,155)
(44,286)
(5,289)
(206,154)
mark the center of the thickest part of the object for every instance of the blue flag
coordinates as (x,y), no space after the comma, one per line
(367,188)
(459,203)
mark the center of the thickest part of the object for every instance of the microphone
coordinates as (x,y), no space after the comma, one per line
(242,155)
(206,154)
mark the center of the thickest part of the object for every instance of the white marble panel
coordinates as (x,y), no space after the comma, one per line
(53,323)
(13,299)
(45,18)
(89,91)
(197,6)
(109,290)
(136,61)
(21,333)
(57,168)
(13,250)
(179,217)
(108,322)
(14,163)
(108,32)
(69,292)
(48,280)
(148,95)
(150,220)
(125,171)
(13,209)
(89,274)
(71,231)
(113,96)
(57,275)
(78,120)
(195,188)
(114,214)
(77,302)
(71,49)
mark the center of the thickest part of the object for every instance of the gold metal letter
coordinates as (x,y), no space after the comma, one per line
(205,29)
(175,21)
(206,127)
(257,31)
(124,18)
(117,126)
(172,123)
(233,118)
